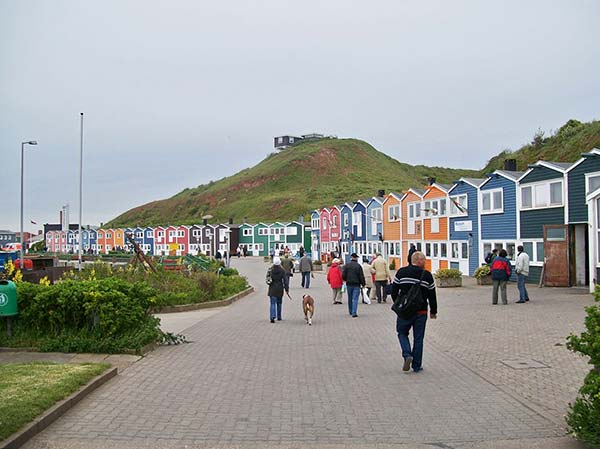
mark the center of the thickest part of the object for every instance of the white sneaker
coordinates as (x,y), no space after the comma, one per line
(310,322)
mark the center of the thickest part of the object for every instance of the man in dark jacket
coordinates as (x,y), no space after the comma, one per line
(411,251)
(277,282)
(306,267)
(355,279)
(405,278)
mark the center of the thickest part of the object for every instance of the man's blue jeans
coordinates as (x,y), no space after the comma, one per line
(353,294)
(523,295)
(306,279)
(276,303)
(417,322)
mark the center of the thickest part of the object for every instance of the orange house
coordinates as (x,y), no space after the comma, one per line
(110,240)
(392,230)
(412,219)
(435,226)
(120,237)
(101,241)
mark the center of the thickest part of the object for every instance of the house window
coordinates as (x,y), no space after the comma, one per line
(464,250)
(547,194)
(394,212)
(556,234)
(291,230)
(443,250)
(109,236)
(539,246)
(593,183)
(280,140)
(458,205)
(247,232)
(324,223)
(491,201)
(345,220)
(526,201)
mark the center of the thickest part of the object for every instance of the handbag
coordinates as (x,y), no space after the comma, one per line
(365,297)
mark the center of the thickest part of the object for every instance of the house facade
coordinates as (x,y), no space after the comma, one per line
(392,229)
(435,226)
(412,223)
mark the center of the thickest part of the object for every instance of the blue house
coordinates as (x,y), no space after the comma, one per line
(346,230)
(499,220)
(315,235)
(148,243)
(374,225)
(542,222)
(359,227)
(583,187)
(464,224)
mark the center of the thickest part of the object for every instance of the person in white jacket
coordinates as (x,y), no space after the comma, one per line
(522,269)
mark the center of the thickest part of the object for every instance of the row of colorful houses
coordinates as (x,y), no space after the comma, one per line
(257,239)
(552,209)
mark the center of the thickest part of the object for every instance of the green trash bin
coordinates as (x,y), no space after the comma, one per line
(8,298)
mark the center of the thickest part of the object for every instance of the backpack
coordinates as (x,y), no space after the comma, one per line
(488,258)
(500,270)
(406,304)
(269,279)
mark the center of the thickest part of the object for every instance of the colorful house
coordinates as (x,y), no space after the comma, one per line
(100,241)
(161,247)
(359,228)
(295,236)
(392,229)
(542,221)
(148,243)
(119,239)
(412,222)
(583,194)
(464,224)
(499,220)
(183,240)
(435,226)
(246,236)
(315,235)
(346,234)
(326,245)
(374,221)
(335,225)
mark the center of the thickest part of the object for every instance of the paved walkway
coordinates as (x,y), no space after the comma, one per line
(244,382)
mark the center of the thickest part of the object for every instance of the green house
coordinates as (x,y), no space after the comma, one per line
(246,237)
(261,240)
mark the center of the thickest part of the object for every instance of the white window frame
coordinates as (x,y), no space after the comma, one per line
(394,211)
(541,190)
(492,209)
(588,177)
(247,232)
(463,200)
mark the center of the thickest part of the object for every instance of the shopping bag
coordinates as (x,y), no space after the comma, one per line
(344,287)
(365,297)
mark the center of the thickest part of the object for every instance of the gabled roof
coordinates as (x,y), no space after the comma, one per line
(510,175)
(363,201)
(418,192)
(560,167)
(396,195)
(474,182)
(584,156)
(376,199)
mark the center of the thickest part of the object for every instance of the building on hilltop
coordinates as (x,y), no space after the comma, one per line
(283,142)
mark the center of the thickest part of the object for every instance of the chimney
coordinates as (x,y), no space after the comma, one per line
(510,164)
(381,193)
(204,221)
(300,218)
(430,181)
(245,219)
(230,220)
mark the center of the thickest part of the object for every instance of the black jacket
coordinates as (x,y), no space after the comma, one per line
(410,275)
(278,282)
(353,274)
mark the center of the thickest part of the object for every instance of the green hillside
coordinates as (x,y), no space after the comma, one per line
(565,145)
(290,183)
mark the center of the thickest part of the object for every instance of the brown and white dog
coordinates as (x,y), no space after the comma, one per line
(308,305)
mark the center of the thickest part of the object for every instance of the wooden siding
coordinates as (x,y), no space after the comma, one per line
(577,188)
(434,193)
(534,274)
(391,229)
(410,198)
(504,225)
(541,173)
(533,221)
(472,215)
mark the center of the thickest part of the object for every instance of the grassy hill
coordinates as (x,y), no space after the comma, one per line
(565,145)
(290,183)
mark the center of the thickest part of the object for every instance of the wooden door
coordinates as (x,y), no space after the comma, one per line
(556,252)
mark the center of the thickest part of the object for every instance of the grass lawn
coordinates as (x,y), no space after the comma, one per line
(27,389)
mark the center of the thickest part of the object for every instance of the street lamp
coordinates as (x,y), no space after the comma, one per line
(31,142)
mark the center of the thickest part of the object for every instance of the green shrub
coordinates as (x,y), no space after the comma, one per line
(583,419)
(393,264)
(229,272)
(447,273)
(482,271)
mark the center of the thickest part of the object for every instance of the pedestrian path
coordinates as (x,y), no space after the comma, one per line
(244,382)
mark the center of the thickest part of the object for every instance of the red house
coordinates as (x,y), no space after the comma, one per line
(183,240)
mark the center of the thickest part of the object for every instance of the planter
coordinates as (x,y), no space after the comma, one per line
(485,280)
(317,267)
(448,282)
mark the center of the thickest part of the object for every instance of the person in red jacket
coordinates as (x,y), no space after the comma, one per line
(334,277)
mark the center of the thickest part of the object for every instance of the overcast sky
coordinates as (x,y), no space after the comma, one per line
(178,93)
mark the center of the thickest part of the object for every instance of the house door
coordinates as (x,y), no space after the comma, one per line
(556,250)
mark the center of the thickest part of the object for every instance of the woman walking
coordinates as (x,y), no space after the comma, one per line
(277,282)
(334,277)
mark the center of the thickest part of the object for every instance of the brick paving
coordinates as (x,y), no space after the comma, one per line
(244,382)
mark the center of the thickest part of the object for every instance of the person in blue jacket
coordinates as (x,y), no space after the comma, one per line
(501,271)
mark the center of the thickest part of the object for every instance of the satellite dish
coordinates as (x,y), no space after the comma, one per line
(207,217)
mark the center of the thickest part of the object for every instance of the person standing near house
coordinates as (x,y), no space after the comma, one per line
(501,271)
(287,263)
(522,270)
(306,267)
(334,278)
(382,277)
(355,279)
(411,251)
(369,273)
(301,252)
(405,278)
(489,258)
(277,282)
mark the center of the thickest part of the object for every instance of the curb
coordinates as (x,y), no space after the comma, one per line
(205,305)
(56,411)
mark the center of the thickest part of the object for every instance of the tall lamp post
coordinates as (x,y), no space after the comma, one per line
(30,142)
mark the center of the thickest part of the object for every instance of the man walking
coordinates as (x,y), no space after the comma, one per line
(405,278)
(522,269)
(287,263)
(306,268)
(355,280)
(382,277)
(501,271)
(411,251)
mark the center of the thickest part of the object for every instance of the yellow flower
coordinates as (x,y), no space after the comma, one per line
(45,281)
